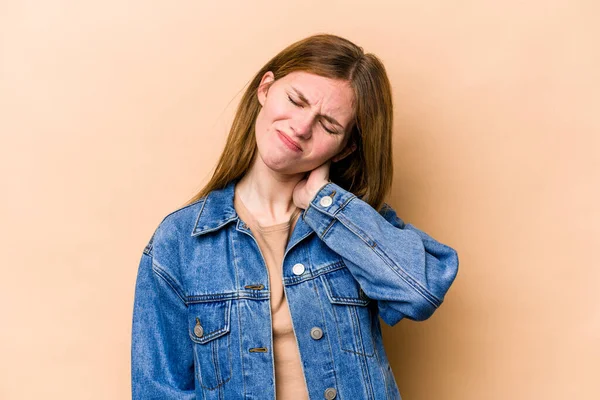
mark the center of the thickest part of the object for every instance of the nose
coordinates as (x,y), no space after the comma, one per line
(302,125)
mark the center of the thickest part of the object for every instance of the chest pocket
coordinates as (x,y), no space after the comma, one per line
(209,327)
(351,309)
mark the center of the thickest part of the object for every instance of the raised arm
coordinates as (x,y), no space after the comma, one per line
(403,268)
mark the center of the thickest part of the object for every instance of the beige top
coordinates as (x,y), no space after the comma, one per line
(272,240)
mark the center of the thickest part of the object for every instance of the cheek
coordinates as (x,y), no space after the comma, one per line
(326,148)
(263,130)
(259,124)
(267,115)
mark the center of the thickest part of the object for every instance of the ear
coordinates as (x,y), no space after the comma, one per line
(266,81)
(345,153)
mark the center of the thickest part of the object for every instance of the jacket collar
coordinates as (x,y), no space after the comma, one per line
(217,210)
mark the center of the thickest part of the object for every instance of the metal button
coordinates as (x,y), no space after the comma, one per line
(316,333)
(198,330)
(330,393)
(326,201)
(298,269)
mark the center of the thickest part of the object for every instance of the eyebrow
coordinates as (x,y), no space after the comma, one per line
(327,117)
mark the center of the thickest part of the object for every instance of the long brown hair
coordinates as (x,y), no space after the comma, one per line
(367,172)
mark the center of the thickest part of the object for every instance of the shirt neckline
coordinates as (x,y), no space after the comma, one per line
(269,228)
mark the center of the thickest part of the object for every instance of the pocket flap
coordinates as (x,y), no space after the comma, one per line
(343,288)
(209,320)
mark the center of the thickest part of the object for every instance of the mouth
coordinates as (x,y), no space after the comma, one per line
(288,141)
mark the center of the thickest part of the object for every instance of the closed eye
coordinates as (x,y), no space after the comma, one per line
(328,130)
(299,105)
(293,102)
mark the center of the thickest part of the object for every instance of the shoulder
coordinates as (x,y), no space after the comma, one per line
(177,225)
(170,242)
(391,216)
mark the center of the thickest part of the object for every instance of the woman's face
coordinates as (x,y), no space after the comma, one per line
(303,121)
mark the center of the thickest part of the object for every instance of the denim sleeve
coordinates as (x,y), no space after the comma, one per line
(401,267)
(162,362)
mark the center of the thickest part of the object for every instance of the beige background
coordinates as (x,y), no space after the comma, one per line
(113,113)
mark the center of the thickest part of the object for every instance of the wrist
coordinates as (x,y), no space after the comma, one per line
(314,193)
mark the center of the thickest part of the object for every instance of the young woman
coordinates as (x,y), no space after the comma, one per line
(270,282)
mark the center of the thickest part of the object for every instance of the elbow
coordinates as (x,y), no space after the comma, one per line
(423,310)
(419,302)
(445,273)
(416,309)
(451,268)
(448,270)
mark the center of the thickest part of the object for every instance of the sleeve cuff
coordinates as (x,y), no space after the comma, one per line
(321,211)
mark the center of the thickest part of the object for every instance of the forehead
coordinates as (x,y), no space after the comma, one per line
(333,95)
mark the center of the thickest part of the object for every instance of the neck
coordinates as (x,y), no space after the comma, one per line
(267,194)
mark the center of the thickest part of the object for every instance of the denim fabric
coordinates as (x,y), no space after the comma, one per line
(202,317)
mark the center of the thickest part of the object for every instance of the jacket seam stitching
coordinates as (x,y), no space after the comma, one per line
(237,303)
(169,281)
(331,352)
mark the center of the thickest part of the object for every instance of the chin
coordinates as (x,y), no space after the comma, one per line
(287,167)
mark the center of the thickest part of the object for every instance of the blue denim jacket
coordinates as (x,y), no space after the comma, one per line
(202,314)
